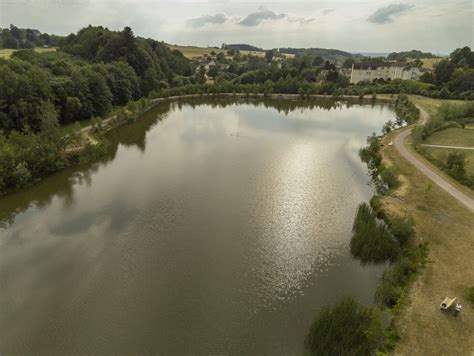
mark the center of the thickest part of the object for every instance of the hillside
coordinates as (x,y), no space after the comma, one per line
(327,54)
(413,54)
(241,47)
(16,38)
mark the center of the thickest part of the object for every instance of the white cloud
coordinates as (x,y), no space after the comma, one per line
(343,24)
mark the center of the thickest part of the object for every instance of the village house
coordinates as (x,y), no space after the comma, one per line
(369,71)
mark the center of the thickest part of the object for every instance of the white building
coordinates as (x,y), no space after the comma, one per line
(369,71)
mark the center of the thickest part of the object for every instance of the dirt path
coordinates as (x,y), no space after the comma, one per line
(399,144)
(443,146)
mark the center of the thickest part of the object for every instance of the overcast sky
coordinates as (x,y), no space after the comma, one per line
(365,26)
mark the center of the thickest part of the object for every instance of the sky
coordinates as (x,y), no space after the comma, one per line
(355,26)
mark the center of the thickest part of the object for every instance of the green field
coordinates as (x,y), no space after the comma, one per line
(440,155)
(432,105)
(447,137)
(7,52)
(194,52)
(430,62)
(452,137)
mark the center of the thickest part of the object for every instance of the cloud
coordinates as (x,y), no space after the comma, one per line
(264,14)
(256,18)
(217,19)
(327,11)
(385,14)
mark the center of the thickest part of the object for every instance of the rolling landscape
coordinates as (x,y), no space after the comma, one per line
(236,178)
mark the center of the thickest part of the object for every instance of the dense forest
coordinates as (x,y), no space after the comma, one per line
(93,71)
(15,38)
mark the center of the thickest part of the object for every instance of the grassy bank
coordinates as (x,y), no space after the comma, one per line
(448,227)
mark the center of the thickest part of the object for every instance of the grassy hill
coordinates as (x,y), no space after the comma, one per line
(7,52)
(194,51)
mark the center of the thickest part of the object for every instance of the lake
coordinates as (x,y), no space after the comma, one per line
(212,226)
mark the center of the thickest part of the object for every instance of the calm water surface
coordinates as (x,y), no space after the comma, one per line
(212,227)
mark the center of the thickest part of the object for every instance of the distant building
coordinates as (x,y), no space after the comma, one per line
(369,71)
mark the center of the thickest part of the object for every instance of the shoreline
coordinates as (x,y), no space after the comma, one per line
(446,225)
(107,120)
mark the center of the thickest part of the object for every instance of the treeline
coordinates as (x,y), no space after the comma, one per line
(453,77)
(94,71)
(241,47)
(333,55)
(16,38)
(27,156)
(413,54)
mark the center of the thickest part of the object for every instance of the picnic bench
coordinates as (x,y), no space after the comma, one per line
(446,303)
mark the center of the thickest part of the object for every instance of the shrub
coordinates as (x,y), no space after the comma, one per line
(403,229)
(347,328)
(389,175)
(372,241)
(391,288)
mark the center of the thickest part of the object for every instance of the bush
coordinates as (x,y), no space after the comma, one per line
(403,229)
(347,328)
(389,176)
(372,241)
(391,288)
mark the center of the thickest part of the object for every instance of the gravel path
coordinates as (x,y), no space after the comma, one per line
(443,146)
(400,146)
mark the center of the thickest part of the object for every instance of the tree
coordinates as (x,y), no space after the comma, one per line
(347,328)
(349,62)
(443,71)
(213,72)
(269,55)
(372,241)
(463,57)
(201,75)
(456,164)
(49,119)
(403,229)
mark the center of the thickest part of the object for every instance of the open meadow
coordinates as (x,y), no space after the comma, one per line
(7,52)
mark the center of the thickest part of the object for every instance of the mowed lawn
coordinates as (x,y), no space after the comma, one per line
(432,105)
(7,52)
(452,137)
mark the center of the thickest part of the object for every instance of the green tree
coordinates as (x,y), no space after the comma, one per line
(349,62)
(456,164)
(443,71)
(347,328)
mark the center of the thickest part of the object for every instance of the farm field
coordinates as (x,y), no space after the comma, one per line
(430,62)
(7,52)
(193,51)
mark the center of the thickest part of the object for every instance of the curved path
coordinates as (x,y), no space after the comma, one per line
(435,177)
(443,146)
